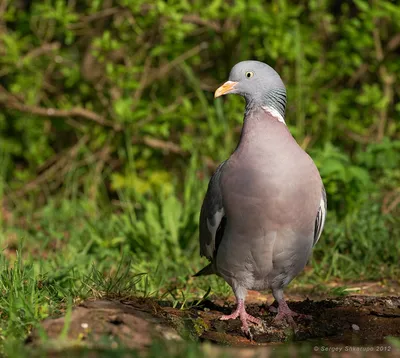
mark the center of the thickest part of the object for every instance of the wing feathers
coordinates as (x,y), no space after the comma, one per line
(211,216)
(320,219)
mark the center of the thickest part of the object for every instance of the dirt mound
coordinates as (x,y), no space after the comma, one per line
(355,321)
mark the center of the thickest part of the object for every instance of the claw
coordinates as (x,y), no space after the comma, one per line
(286,314)
(247,333)
(273,309)
(233,315)
(240,311)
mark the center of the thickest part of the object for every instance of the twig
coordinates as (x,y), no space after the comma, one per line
(388,206)
(387,80)
(59,167)
(98,15)
(62,164)
(6,215)
(166,146)
(3,8)
(170,147)
(306,142)
(393,43)
(102,13)
(377,42)
(104,155)
(196,19)
(142,83)
(38,51)
(358,74)
(10,101)
(210,163)
(163,70)
(146,79)
(357,137)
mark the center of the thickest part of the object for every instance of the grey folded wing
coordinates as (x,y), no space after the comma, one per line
(320,220)
(212,217)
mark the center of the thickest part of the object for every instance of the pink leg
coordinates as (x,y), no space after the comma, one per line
(285,313)
(240,311)
(272,308)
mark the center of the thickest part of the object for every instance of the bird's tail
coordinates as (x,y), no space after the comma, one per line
(208,270)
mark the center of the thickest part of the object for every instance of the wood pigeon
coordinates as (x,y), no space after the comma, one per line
(265,206)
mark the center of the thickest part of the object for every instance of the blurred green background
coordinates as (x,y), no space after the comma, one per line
(109,133)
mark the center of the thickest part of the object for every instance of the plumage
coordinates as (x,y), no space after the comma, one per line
(265,206)
(211,214)
(320,220)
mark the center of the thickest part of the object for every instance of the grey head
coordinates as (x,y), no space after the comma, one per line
(258,83)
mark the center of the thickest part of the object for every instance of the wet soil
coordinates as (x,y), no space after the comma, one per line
(354,321)
(351,320)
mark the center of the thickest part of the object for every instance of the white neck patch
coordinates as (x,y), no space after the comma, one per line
(274,113)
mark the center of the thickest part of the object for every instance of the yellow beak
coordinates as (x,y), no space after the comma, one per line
(225,88)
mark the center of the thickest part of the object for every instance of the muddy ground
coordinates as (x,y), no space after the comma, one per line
(352,321)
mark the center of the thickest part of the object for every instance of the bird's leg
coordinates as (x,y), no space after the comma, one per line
(240,312)
(272,307)
(285,313)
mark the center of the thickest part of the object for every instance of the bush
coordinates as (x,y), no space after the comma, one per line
(107,100)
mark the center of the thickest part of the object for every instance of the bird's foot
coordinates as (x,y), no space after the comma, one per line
(272,308)
(245,318)
(286,314)
(233,315)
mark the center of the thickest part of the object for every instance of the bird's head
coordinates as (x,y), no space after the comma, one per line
(258,83)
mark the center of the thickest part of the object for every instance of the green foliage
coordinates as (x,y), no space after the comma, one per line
(109,132)
(363,244)
(21,302)
(148,69)
(345,182)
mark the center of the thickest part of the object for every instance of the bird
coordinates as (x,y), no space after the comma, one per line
(265,206)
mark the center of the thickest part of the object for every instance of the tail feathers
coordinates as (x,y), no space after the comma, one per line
(208,270)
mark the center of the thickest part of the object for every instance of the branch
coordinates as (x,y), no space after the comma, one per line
(166,146)
(356,76)
(393,43)
(377,42)
(149,75)
(391,201)
(197,20)
(38,51)
(10,101)
(387,80)
(84,20)
(142,83)
(3,8)
(163,70)
(170,147)
(58,168)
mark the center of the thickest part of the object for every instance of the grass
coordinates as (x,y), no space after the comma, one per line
(146,244)
(143,241)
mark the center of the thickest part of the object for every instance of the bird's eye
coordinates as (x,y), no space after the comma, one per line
(249,74)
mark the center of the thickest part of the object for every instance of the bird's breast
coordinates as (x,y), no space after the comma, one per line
(269,192)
